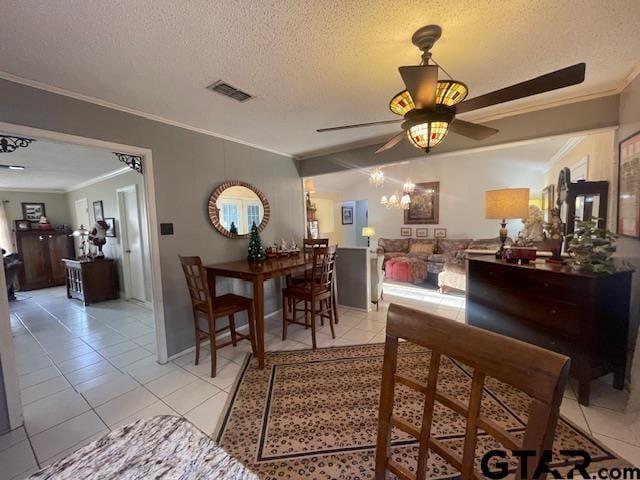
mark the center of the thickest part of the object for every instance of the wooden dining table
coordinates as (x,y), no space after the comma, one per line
(257,273)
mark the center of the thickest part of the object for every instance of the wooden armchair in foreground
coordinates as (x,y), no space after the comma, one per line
(210,308)
(539,373)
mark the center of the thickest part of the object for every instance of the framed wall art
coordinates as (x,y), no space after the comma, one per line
(111,226)
(440,232)
(347,215)
(548,201)
(405,231)
(629,186)
(98,211)
(32,211)
(424,207)
(22,225)
(422,232)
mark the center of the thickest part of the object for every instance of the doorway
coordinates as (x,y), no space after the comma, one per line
(132,244)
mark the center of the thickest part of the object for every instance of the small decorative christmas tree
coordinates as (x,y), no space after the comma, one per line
(255,245)
(233,229)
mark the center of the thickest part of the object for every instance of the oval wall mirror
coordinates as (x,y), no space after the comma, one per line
(235,206)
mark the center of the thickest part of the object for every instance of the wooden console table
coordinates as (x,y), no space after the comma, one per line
(582,315)
(91,280)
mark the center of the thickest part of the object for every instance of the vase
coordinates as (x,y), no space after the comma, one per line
(582,258)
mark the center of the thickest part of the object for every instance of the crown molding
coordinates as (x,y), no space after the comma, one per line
(566,148)
(32,190)
(101,178)
(114,106)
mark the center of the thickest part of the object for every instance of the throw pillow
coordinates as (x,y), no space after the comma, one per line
(423,248)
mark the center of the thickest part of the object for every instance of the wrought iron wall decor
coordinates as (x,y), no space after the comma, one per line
(10,144)
(133,161)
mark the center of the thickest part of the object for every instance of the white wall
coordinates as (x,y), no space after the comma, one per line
(463,183)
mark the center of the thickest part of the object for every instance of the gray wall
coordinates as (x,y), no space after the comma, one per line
(106,191)
(353,274)
(628,248)
(55,205)
(574,117)
(188,166)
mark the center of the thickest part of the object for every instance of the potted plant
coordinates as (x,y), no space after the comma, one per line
(592,247)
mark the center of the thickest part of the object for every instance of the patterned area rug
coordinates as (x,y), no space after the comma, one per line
(313,414)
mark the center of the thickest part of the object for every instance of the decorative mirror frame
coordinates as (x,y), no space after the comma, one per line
(214,214)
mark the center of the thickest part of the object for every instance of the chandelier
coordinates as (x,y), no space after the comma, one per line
(393,201)
(376,177)
(405,202)
(408,186)
(384,201)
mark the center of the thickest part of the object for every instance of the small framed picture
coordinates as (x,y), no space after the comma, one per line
(405,231)
(422,232)
(32,211)
(440,232)
(347,215)
(98,212)
(22,225)
(111,230)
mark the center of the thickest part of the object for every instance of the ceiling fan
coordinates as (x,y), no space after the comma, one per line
(429,106)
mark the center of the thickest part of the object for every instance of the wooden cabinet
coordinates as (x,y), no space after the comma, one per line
(583,316)
(91,280)
(41,253)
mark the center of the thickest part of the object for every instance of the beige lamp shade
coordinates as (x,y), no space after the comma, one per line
(309,187)
(506,203)
(368,231)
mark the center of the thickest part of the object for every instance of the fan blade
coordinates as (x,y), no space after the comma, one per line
(421,82)
(544,83)
(471,130)
(356,125)
(393,142)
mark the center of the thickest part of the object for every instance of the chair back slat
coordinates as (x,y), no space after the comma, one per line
(323,266)
(539,373)
(309,244)
(197,284)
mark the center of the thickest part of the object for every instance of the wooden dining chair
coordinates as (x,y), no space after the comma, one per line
(315,293)
(210,308)
(539,373)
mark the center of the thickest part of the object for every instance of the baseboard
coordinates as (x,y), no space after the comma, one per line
(220,336)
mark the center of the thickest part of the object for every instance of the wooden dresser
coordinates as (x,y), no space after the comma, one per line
(41,253)
(584,316)
(91,280)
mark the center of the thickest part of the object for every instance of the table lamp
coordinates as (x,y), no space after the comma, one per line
(368,232)
(504,204)
(310,188)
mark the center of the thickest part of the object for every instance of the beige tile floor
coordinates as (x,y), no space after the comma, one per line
(85,371)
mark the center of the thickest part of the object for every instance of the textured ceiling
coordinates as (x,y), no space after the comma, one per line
(310,64)
(535,156)
(55,166)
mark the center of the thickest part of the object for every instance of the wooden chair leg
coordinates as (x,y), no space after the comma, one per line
(321,317)
(252,330)
(232,329)
(334,300)
(312,314)
(212,341)
(285,299)
(331,317)
(195,318)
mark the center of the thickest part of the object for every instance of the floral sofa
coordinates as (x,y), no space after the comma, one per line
(431,252)
(444,259)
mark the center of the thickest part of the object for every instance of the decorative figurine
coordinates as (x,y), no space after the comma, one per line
(554,237)
(97,236)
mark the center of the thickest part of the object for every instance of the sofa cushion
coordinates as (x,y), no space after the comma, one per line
(422,248)
(394,244)
(446,245)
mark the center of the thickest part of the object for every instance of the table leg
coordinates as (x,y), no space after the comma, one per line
(258,305)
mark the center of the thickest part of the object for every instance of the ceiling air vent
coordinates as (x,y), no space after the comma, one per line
(230,91)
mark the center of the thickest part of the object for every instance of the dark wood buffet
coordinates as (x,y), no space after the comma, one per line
(91,280)
(582,315)
(41,253)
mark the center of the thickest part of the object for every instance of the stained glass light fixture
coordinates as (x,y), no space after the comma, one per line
(376,177)
(427,135)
